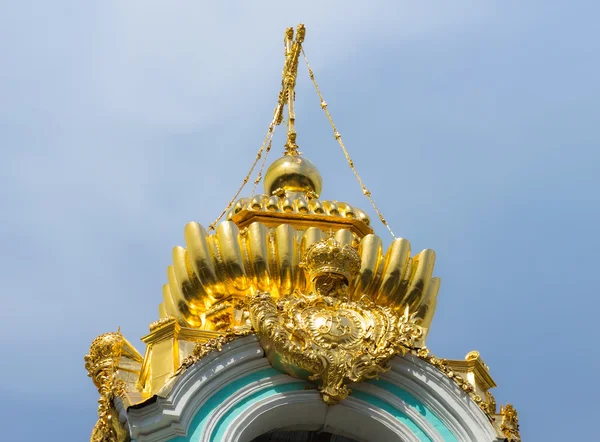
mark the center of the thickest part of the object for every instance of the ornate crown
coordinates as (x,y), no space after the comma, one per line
(328,256)
(105,353)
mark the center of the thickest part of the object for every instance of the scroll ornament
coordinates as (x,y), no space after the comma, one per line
(335,339)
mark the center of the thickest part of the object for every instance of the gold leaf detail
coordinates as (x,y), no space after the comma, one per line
(510,423)
(336,340)
(214,344)
(101,364)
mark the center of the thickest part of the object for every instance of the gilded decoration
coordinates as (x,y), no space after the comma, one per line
(102,366)
(510,423)
(475,372)
(487,404)
(258,248)
(328,301)
(336,339)
(161,323)
(212,345)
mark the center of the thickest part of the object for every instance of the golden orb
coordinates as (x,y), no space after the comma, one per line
(292,173)
(472,355)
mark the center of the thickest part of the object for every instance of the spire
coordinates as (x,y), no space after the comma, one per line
(293,176)
(293,48)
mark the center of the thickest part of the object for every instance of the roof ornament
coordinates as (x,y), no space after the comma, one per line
(510,423)
(293,173)
(288,83)
(331,308)
(102,365)
(329,264)
(287,94)
(324,331)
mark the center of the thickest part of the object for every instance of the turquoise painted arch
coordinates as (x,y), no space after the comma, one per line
(263,389)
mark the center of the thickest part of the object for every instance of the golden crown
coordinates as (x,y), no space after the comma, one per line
(328,256)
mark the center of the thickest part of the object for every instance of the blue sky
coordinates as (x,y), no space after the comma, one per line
(473,123)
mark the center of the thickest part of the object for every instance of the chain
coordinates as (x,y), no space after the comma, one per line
(286,90)
(288,82)
(268,139)
(338,137)
(262,166)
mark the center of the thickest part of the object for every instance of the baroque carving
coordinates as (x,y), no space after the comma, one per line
(510,423)
(161,323)
(330,265)
(214,344)
(334,311)
(101,365)
(487,405)
(335,339)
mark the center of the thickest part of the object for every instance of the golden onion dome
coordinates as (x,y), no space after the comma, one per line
(293,173)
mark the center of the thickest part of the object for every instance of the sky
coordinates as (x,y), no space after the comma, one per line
(473,123)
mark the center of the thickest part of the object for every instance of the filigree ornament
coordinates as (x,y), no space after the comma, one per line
(101,364)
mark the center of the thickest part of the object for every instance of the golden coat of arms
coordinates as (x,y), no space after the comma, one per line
(324,334)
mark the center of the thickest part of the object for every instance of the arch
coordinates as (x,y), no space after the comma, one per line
(354,418)
(301,436)
(452,406)
(235,395)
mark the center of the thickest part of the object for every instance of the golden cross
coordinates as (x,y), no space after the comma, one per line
(288,83)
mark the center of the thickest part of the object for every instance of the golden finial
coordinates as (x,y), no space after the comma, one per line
(292,173)
(293,48)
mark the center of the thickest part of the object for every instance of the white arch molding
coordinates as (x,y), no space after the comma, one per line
(234,396)
(305,410)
